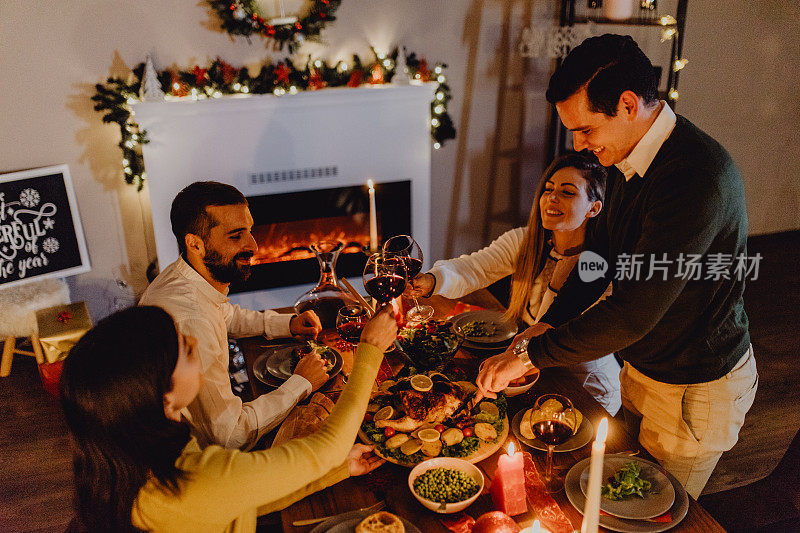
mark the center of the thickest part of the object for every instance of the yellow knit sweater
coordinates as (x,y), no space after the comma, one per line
(225,490)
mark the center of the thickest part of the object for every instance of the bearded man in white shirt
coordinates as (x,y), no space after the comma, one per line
(212,224)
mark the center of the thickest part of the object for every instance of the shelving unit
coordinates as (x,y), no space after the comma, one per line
(567,17)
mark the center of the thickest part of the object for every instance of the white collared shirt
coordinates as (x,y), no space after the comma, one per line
(638,161)
(217,415)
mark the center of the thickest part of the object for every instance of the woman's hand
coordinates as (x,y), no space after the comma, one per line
(381,330)
(497,371)
(420,286)
(361,460)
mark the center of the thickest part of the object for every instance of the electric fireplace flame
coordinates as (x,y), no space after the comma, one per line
(291,241)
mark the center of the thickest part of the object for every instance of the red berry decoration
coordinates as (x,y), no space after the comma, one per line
(389,432)
(467,432)
(440,428)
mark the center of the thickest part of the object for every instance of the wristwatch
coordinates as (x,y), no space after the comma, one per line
(521,351)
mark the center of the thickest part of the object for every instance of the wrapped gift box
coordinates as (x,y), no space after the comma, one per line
(60,327)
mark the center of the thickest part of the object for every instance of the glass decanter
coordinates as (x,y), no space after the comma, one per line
(327,297)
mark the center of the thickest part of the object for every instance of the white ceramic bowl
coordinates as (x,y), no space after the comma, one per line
(452,463)
(530,380)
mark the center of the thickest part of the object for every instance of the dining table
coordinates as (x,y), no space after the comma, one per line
(389,483)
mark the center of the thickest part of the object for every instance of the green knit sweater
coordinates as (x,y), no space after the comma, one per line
(690,202)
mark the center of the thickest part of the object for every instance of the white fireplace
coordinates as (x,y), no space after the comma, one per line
(269,145)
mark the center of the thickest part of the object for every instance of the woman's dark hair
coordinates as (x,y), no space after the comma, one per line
(534,250)
(188,212)
(607,65)
(112,392)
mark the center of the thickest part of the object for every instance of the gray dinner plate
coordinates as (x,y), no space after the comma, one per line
(635,508)
(504,330)
(347,522)
(279,363)
(572,488)
(578,440)
(260,371)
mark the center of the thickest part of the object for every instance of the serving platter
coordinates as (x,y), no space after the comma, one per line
(484,449)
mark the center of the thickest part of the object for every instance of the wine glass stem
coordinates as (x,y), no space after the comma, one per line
(548,469)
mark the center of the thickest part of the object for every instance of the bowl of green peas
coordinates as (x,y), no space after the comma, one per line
(446,484)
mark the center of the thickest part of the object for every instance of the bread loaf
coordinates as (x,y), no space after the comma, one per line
(381,522)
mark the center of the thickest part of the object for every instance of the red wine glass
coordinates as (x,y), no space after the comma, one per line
(350,323)
(554,424)
(384,277)
(406,247)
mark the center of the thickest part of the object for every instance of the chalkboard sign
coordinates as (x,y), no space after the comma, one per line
(40,231)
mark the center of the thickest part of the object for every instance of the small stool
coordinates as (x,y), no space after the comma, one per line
(18,319)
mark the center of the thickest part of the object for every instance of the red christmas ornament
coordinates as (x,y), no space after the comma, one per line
(322,15)
(282,73)
(178,87)
(377,75)
(298,26)
(423,71)
(199,76)
(356,78)
(233,7)
(315,81)
(270,30)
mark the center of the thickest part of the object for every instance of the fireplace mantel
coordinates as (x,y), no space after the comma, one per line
(266,144)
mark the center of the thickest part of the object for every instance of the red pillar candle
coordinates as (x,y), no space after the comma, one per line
(508,485)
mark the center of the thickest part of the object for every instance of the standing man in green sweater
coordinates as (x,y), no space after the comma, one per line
(672,237)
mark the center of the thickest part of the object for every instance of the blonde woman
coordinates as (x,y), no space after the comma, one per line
(539,259)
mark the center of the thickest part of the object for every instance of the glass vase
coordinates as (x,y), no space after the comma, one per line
(327,297)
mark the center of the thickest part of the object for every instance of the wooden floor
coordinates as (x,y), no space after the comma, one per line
(35,469)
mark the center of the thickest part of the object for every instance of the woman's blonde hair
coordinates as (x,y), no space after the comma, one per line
(533,252)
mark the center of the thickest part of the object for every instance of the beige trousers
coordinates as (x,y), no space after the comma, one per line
(688,427)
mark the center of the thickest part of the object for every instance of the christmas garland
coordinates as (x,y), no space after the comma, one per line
(242,17)
(220,78)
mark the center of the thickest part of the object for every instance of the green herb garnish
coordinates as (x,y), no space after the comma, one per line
(479,328)
(625,483)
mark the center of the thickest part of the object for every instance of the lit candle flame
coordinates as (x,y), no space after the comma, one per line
(511,448)
(602,430)
(371,185)
(536,527)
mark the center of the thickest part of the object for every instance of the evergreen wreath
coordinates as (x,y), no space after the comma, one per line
(242,17)
(220,78)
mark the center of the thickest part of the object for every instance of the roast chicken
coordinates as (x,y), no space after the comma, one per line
(430,407)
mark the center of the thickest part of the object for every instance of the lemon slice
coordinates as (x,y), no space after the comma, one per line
(551,406)
(489,408)
(410,447)
(384,414)
(428,435)
(422,383)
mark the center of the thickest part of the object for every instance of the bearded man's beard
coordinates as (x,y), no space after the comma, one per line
(230,272)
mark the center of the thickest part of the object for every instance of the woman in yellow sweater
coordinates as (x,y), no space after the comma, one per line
(136,467)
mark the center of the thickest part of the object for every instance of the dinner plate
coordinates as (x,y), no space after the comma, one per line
(347,522)
(262,373)
(578,440)
(279,364)
(633,507)
(504,330)
(485,350)
(572,488)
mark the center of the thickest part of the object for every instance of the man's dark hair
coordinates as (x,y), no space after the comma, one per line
(189,215)
(607,65)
